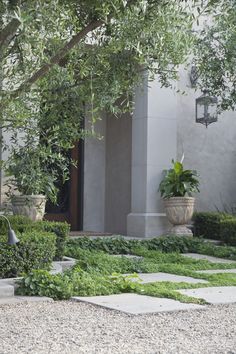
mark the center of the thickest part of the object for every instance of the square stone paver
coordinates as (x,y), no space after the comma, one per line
(137,304)
(216,271)
(214,295)
(6,290)
(154,277)
(129,256)
(207,258)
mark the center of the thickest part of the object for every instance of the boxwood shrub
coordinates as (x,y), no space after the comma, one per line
(228,231)
(208,224)
(19,223)
(22,224)
(35,250)
(60,229)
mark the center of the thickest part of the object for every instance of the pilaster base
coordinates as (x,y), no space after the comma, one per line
(147,224)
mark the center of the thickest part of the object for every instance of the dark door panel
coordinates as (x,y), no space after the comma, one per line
(69,207)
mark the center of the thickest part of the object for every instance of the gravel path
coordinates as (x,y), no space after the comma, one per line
(74,328)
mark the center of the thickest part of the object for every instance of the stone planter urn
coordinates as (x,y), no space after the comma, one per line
(32,206)
(179,211)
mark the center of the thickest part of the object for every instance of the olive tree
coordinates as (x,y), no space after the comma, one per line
(60,56)
(215,54)
(99,46)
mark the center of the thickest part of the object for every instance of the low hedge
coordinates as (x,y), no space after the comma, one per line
(208,224)
(61,230)
(35,250)
(22,224)
(19,223)
(217,226)
(228,231)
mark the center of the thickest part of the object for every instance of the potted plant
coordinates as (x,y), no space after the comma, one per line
(176,189)
(33,172)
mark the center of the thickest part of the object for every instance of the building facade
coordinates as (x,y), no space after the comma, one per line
(116,187)
(122,172)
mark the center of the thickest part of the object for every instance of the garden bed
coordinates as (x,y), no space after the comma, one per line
(99,271)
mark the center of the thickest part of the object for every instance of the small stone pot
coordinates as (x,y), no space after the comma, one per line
(32,206)
(179,211)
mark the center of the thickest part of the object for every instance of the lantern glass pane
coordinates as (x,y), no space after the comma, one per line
(212,109)
(200,111)
(206,110)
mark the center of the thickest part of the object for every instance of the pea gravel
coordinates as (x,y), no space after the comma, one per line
(74,328)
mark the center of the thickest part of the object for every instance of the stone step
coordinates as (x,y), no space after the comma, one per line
(6,291)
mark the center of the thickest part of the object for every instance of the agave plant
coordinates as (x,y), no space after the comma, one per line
(178,182)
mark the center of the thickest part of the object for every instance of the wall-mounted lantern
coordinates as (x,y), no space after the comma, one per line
(206,109)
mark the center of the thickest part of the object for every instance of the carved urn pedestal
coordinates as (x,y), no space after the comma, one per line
(32,206)
(179,211)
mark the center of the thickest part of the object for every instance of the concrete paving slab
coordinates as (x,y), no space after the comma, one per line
(130,256)
(23,299)
(213,295)
(216,271)
(214,242)
(154,277)
(137,304)
(67,263)
(9,281)
(56,268)
(207,258)
(6,291)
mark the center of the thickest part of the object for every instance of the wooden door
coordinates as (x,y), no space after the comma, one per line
(69,207)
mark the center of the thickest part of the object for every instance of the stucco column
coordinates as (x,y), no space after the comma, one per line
(94,178)
(154,144)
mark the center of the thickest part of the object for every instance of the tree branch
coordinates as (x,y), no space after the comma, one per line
(58,56)
(8,32)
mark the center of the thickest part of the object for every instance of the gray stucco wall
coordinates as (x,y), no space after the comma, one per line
(211,151)
(118,173)
(107,175)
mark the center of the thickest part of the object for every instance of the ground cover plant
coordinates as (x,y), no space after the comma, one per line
(120,245)
(100,272)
